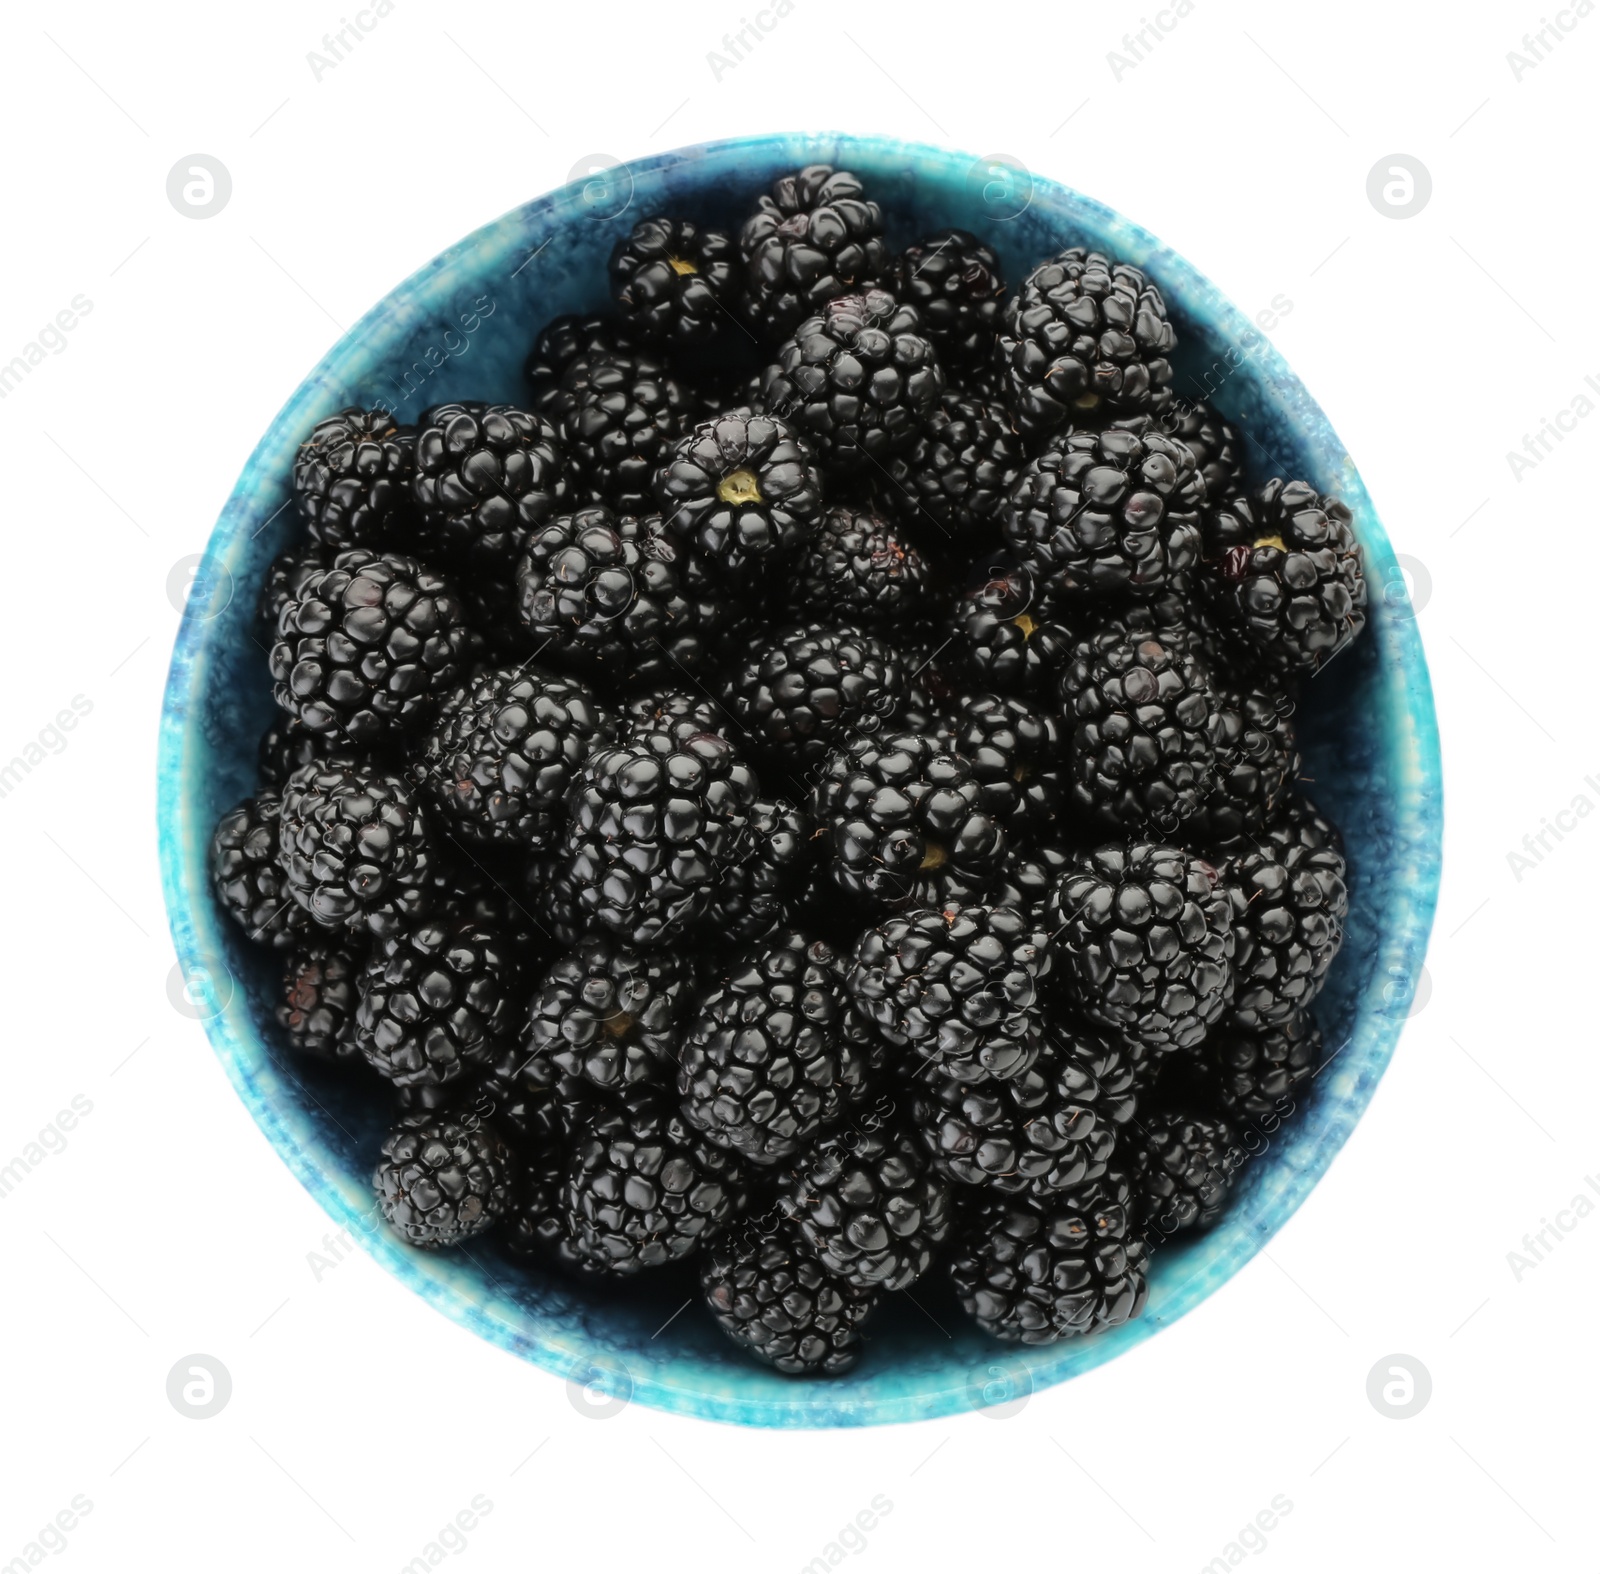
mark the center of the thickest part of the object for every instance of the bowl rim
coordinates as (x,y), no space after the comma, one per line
(1403,925)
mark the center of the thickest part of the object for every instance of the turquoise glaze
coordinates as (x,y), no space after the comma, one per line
(460,328)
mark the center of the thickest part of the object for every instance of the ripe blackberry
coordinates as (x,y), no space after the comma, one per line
(550,893)
(811,689)
(1030,879)
(775,1051)
(535,1223)
(857,380)
(286,573)
(316,1003)
(285,746)
(567,340)
(1184,1165)
(1299,823)
(1283,572)
(247,877)
(352,479)
(1217,450)
(443,1179)
(367,648)
(1292,905)
(859,570)
(959,985)
(1084,335)
(1007,637)
(354,847)
(907,822)
(1032,1273)
(866,1203)
(773,1298)
(619,417)
(609,1014)
(605,594)
(816,236)
(666,706)
(437,999)
(498,762)
(1255,1074)
(1047,1131)
(954,480)
(655,823)
(1144,942)
(1106,513)
(764,880)
(675,282)
(1016,753)
(955,282)
(1143,715)
(1256,764)
(742,491)
(644,1190)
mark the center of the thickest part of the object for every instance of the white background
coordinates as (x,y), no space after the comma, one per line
(361,1421)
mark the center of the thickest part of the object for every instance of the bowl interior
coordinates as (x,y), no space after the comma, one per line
(461,328)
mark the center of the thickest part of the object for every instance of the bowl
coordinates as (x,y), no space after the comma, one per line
(461,328)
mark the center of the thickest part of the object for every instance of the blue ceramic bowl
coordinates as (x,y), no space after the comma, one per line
(460,328)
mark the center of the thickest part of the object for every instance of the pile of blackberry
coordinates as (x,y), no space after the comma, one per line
(809,785)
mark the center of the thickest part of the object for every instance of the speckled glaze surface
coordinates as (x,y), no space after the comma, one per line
(460,328)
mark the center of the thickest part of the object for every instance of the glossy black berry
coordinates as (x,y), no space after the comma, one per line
(442,1180)
(955,282)
(352,479)
(676,282)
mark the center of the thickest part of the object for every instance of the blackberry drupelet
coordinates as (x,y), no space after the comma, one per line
(1033,1273)
(1256,764)
(816,236)
(655,823)
(316,1003)
(764,880)
(354,847)
(1255,1074)
(368,647)
(775,1299)
(352,480)
(1144,942)
(811,689)
(867,1204)
(1007,636)
(566,340)
(958,987)
(907,822)
(1106,513)
(955,282)
(507,745)
(1184,1165)
(248,879)
(857,380)
(953,482)
(1084,336)
(1217,450)
(1016,752)
(1283,572)
(676,282)
(860,571)
(743,491)
(443,1179)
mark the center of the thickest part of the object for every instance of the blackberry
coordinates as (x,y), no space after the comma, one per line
(866,1203)
(442,1180)
(675,281)
(249,882)
(775,1050)
(1106,513)
(811,689)
(1144,942)
(286,573)
(566,340)
(1256,765)
(954,480)
(285,746)
(1007,637)
(352,480)
(1184,1165)
(1217,450)
(857,380)
(535,1225)
(907,822)
(367,648)
(354,847)
(1283,572)
(859,571)
(551,894)
(1144,722)
(742,491)
(643,1190)
(316,1003)
(667,706)
(605,594)
(609,1014)
(955,282)
(1047,1131)
(959,985)
(773,1298)
(816,236)
(1292,905)
(1084,335)
(1255,1074)
(1015,751)
(1033,1273)
(1030,879)
(1299,823)
(504,751)
(655,823)
(437,999)
(778,850)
